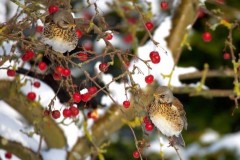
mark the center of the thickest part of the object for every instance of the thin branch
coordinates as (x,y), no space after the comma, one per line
(136,141)
(209,74)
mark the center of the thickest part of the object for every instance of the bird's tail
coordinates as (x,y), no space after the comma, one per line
(179,140)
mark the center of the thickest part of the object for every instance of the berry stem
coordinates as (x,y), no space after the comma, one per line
(136,141)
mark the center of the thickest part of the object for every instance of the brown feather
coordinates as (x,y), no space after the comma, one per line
(182,113)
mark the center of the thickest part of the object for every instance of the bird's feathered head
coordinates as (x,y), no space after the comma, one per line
(163,95)
(64,19)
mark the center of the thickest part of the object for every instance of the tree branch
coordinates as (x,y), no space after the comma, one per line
(209,74)
(33,113)
(18,149)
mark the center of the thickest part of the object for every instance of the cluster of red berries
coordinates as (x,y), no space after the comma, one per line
(77,97)
(148,124)
(70,112)
(61,71)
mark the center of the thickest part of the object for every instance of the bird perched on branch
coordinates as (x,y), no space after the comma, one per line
(59,31)
(167,114)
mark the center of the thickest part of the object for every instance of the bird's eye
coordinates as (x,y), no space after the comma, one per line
(162,96)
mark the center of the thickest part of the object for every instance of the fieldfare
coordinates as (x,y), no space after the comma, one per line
(59,31)
(167,114)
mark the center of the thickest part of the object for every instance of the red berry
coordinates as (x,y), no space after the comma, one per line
(109,36)
(92,90)
(56,114)
(28,55)
(42,66)
(128,38)
(59,69)
(146,120)
(74,111)
(8,155)
(76,97)
(126,104)
(149,79)
(149,25)
(11,73)
(88,45)
(132,20)
(136,154)
(164,5)
(36,84)
(46,112)
(85,97)
(82,56)
(155,57)
(149,126)
(56,76)
(31,96)
(39,29)
(226,56)
(52,9)
(66,72)
(103,67)
(67,113)
(206,36)
(79,33)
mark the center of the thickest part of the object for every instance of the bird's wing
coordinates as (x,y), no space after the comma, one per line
(182,113)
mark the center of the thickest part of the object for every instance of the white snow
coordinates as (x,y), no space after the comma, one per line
(11,127)
(3,12)
(209,136)
(53,154)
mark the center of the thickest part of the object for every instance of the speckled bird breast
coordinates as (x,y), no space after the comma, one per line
(61,40)
(166,118)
